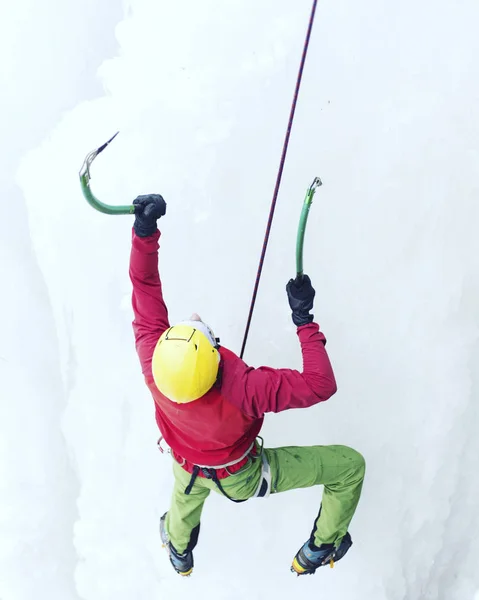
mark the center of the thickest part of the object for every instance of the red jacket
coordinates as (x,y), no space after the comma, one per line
(220,427)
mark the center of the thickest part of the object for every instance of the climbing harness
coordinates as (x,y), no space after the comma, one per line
(224,466)
(264,486)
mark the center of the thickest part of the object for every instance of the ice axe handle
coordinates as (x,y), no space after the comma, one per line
(298,282)
(302,226)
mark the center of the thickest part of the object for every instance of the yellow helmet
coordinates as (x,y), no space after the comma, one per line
(185,361)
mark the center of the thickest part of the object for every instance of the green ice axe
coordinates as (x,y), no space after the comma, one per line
(302,226)
(128,209)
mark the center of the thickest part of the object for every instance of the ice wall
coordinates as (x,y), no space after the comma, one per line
(49,53)
(388,119)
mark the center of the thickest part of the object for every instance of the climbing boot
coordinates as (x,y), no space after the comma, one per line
(182,563)
(310,557)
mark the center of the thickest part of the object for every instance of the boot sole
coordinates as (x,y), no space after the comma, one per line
(298,568)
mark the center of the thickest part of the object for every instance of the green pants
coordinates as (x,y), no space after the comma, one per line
(338,468)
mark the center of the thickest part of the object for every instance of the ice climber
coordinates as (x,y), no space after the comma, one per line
(210,407)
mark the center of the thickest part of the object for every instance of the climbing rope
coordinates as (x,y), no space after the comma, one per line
(279,175)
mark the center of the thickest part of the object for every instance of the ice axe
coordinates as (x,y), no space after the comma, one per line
(308,200)
(85,177)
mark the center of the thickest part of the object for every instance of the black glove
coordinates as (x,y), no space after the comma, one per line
(149,209)
(300,296)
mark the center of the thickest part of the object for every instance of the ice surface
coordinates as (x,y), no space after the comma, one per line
(201,93)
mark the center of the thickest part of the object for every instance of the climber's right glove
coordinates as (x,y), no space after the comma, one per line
(148,210)
(300,296)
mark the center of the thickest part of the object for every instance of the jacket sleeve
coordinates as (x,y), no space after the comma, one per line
(262,390)
(151,314)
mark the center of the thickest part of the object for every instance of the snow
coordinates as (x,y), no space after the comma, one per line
(201,92)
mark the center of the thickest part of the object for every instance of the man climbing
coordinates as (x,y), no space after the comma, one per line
(210,407)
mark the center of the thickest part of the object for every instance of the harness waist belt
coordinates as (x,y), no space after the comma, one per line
(229,464)
(262,491)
